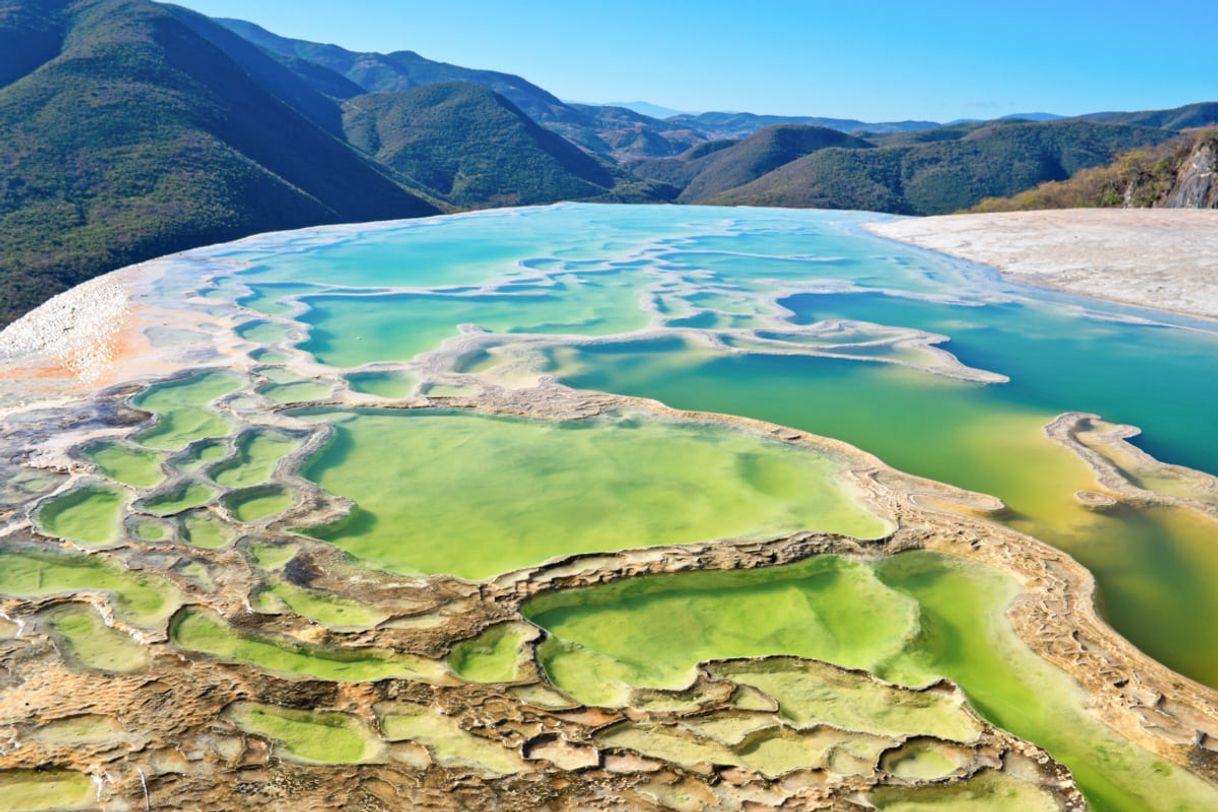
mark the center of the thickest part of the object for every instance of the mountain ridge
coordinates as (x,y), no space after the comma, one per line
(139,137)
(500,158)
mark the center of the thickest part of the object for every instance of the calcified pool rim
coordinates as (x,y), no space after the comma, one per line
(1055,614)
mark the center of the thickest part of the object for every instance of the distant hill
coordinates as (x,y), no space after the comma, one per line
(740,125)
(125,133)
(939,176)
(624,134)
(648,109)
(1180,173)
(474,148)
(384,73)
(608,130)
(1031,117)
(716,167)
(1202,114)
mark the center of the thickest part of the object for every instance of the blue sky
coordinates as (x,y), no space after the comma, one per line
(878,60)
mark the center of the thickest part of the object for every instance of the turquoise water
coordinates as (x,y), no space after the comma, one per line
(1153,567)
(399,326)
(717,277)
(579,283)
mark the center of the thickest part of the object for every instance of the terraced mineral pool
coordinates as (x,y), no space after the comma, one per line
(127,464)
(985,792)
(910,619)
(143,599)
(263,332)
(88,641)
(178,498)
(151,531)
(495,655)
(254,461)
(724,282)
(926,760)
(268,299)
(561,488)
(382,384)
(309,737)
(255,504)
(286,387)
(331,610)
(89,514)
(348,331)
(1152,566)
(200,631)
(206,531)
(182,410)
(809,692)
(200,455)
(26,790)
(85,728)
(446,741)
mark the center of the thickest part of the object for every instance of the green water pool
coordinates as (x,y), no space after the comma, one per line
(910,619)
(427,502)
(472,495)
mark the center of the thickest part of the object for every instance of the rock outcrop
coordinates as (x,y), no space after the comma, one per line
(1196,184)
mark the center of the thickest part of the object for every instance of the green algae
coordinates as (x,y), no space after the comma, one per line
(89,514)
(255,504)
(309,736)
(271,557)
(986,792)
(85,728)
(204,632)
(605,637)
(182,412)
(184,496)
(1153,568)
(728,727)
(428,503)
(200,455)
(151,531)
(326,608)
(773,751)
(449,745)
(393,385)
(127,464)
(199,573)
(254,461)
(39,790)
(206,531)
(144,599)
(498,654)
(923,760)
(88,641)
(968,639)
(808,692)
(911,618)
(541,696)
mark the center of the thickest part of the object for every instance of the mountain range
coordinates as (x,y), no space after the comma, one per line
(131,129)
